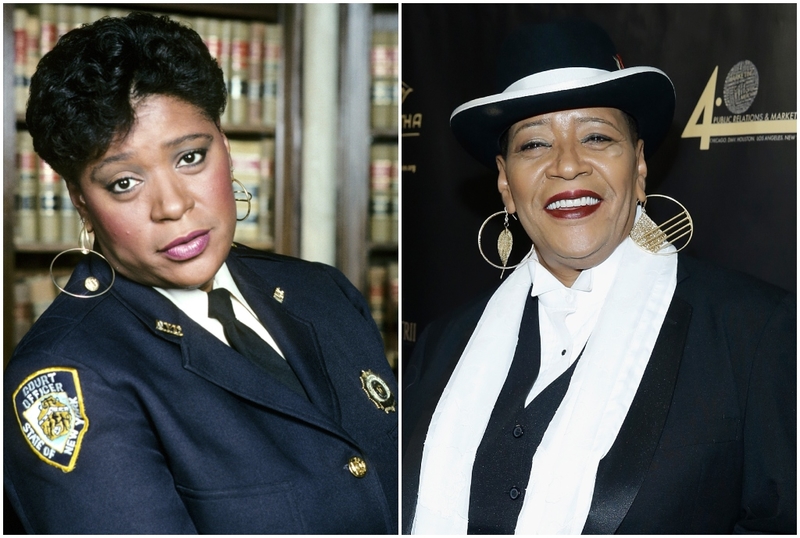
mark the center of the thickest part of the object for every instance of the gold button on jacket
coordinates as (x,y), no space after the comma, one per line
(357,467)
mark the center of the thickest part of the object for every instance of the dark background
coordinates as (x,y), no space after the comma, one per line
(742,195)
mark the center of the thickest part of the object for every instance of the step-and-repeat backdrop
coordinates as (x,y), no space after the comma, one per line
(730,156)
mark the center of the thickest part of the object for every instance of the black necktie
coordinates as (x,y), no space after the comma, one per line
(244,340)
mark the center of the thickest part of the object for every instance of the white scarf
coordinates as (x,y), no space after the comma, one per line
(561,484)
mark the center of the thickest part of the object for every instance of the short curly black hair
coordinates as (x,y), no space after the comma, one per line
(84,91)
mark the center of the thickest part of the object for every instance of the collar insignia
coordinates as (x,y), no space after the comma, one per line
(49,409)
(169,328)
(278,295)
(378,391)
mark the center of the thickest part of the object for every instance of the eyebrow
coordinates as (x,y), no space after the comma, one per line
(166,145)
(545,121)
(533,123)
(594,119)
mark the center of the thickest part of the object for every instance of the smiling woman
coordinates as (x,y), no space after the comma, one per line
(576,222)
(609,384)
(184,383)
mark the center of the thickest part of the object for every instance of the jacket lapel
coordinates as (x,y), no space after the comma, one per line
(275,307)
(622,472)
(204,355)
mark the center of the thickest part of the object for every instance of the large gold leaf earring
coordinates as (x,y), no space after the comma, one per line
(91,283)
(654,237)
(505,242)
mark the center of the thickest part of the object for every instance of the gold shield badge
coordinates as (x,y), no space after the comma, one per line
(378,391)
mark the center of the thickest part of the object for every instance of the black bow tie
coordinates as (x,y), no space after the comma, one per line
(244,340)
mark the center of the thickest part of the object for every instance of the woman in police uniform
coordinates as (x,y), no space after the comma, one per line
(179,384)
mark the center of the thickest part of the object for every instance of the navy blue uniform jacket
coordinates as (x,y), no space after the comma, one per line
(709,443)
(185,435)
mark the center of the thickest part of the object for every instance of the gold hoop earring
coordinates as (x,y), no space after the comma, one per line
(91,283)
(247,197)
(654,237)
(505,242)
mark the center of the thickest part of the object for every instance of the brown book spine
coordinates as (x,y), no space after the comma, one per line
(21,82)
(255,74)
(49,31)
(238,88)
(25,230)
(381,66)
(273,57)
(225,43)
(49,200)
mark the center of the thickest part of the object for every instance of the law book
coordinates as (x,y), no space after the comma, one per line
(25,231)
(49,195)
(273,57)
(225,43)
(239,71)
(20,58)
(381,70)
(246,157)
(32,36)
(200,25)
(63,19)
(96,13)
(184,20)
(49,28)
(80,15)
(210,31)
(69,219)
(380,193)
(255,74)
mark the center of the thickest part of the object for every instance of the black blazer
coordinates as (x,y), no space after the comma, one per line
(709,444)
(185,435)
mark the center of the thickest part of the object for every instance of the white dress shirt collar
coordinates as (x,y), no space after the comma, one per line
(194,303)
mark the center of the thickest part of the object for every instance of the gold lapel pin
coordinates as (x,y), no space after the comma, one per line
(169,328)
(278,295)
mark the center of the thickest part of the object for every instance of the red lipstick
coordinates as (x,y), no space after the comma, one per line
(574,204)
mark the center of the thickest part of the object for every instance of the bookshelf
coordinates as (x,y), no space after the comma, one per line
(368,231)
(265,138)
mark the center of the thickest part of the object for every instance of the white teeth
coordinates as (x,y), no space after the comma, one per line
(577,202)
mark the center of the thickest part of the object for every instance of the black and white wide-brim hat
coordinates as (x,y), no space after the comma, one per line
(563,65)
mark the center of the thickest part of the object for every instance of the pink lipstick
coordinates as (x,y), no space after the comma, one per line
(575,204)
(188,247)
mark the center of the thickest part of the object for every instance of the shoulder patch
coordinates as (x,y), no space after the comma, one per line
(49,409)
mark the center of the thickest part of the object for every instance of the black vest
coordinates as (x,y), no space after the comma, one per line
(503,461)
